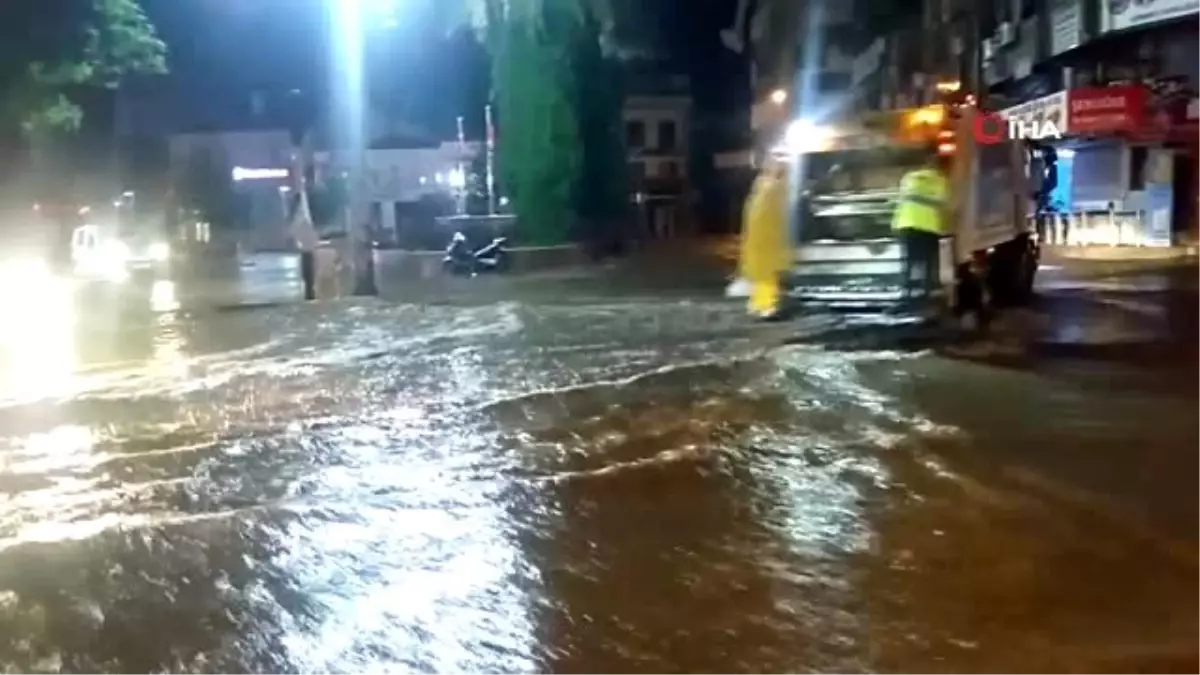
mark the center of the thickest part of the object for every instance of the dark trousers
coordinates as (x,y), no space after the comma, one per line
(921,262)
(308,274)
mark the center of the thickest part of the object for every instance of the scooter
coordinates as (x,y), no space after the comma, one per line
(460,259)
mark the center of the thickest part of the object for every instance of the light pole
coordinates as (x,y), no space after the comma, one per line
(349,21)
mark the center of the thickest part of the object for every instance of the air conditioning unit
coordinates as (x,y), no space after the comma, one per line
(989,47)
(1007,33)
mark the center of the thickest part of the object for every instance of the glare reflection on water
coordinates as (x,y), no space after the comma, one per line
(162,296)
(413,543)
(37,336)
(493,489)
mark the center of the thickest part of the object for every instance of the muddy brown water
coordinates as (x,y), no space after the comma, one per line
(579,487)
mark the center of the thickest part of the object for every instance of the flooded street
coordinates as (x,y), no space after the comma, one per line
(592,481)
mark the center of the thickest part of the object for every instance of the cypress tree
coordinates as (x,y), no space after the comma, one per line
(558,98)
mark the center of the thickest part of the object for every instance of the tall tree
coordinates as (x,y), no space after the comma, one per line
(50,49)
(558,100)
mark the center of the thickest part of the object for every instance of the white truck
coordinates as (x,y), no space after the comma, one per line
(848,175)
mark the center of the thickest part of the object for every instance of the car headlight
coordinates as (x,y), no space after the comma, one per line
(159,252)
(804,136)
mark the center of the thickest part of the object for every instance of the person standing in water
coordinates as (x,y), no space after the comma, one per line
(307,241)
(765,246)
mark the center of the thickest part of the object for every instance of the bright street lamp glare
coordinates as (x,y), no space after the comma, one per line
(241,173)
(779,96)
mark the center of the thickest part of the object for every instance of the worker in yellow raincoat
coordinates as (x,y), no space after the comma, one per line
(766,245)
(920,219)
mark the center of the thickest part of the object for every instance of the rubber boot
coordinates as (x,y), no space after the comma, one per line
(765,299)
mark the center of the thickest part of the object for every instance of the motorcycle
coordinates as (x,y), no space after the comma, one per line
(460,259)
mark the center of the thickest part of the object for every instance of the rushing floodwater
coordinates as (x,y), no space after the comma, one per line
(569,488)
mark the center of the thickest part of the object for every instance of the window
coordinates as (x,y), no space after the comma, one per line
(1137,168)
(666,135)
(635,134)
(670,169)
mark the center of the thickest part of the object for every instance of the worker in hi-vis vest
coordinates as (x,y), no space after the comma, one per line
(921,221)
(765,246)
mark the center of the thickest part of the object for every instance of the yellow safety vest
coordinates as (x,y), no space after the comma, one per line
(923,194)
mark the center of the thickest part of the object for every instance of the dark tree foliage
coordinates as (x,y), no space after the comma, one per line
(556,89)
(601,189)
(51,48)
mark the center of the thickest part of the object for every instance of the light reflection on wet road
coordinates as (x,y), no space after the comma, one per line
(602,485)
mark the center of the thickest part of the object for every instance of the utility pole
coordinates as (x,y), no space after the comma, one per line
(460,193)
(351,103)
(491,159)
(362,249)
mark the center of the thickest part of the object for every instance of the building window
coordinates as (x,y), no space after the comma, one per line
(1138,156)
(670,169)
(375,215)
(635,134)
(666,135)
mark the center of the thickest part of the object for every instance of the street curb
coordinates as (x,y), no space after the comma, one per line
(399,264)
(1121,253)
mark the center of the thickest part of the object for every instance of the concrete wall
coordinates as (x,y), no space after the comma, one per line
(403,175)
(407,187)
(263,278)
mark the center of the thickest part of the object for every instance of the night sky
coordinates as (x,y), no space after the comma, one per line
(223,50)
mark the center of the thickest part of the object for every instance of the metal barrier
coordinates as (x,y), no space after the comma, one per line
(1096,228)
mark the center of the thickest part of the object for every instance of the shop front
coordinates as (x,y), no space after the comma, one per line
(1131,162)
(1055,156)
(1125,171)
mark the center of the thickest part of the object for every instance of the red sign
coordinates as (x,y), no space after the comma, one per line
(1106,110)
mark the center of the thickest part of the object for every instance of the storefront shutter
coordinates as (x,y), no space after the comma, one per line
(1097,173)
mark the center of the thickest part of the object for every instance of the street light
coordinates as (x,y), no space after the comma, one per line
(348,19)
(132,197)
(779,96)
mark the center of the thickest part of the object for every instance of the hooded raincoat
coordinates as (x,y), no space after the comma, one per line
(765,246)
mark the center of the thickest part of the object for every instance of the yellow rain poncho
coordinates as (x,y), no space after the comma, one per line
(765,247)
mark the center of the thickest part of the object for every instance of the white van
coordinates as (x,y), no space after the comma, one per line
(94,256)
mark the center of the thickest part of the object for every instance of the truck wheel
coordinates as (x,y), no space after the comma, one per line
(1023,276)
(974,302)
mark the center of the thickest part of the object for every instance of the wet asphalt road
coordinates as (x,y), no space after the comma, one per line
(608,470)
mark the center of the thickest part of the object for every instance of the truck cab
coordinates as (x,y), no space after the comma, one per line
(847,178)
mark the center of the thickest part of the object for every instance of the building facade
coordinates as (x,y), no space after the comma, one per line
(1117,78)
(407,188)
(256,166)
(658,114)
(1120,80)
